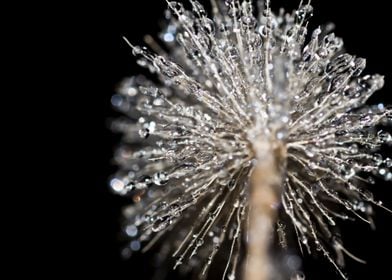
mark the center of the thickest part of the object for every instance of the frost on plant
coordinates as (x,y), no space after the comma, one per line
(191,131)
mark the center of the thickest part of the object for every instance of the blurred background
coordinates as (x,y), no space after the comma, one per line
(95,239)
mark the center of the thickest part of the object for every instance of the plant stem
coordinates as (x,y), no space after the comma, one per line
(265,183)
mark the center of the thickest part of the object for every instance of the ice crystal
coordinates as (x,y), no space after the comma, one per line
(191,134)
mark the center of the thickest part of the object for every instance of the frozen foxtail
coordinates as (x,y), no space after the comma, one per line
(245,129)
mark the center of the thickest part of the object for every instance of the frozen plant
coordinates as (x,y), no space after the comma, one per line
(247,128)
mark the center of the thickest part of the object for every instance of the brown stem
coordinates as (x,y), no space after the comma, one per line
(265,182)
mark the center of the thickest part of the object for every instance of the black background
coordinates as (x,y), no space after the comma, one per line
(91,246)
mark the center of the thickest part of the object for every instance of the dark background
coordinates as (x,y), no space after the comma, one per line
(92,245)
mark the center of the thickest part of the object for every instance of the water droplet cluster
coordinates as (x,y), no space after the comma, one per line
(229,80)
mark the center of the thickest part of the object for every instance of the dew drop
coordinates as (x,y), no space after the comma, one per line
(160,178)
(161,223)
(385,137)
(130,186)
(371,180)
(299,275)
(310,152)
(304,13)
(281,134)
(136,50)
(353,149)
(117,100)
(382,171)
(144,133)
(126,253)
(249,21)
(135,245)
(263,31)
(150,126)
(168,37)
(378,159)
(313,165)
(131,230)
(140,186)
(117,185)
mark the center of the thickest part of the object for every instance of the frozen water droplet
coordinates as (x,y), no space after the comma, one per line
(168,37)
(353,149)
(126,253)
(158,102)
(378,159)
(150,126)
(382,171)
(385,137)
(136,50)
(144,133)
(313,165)
(371,180)
(281,134)
(263,31)
(117,185)
(135,245)
(160,178)
(304,13)
(347,171)
(131,230)
(388,162)
(130,186)
(140,186)
(147,181)
(310,151)
(178,7)
(249,21)
(209,26)
(231,184)
(117,100)
(359,66)
(198,8)
(161,223)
